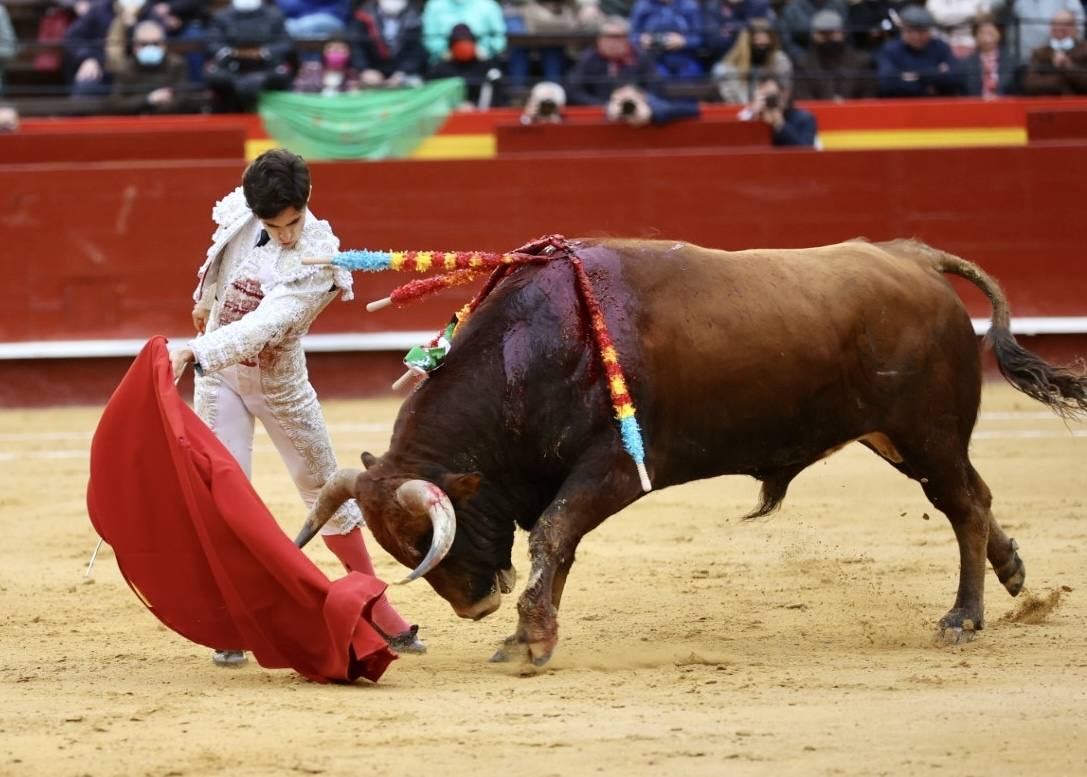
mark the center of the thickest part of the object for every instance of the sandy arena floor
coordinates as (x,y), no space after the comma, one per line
(692,643)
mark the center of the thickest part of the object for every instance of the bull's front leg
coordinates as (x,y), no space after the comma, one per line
(537,608)
(581,505)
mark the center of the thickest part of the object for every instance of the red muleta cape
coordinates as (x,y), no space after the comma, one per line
(201,550)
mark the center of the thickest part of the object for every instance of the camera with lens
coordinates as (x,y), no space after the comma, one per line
(772,101)
(628,107)
(547,108)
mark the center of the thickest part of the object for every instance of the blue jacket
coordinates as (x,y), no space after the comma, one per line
(937,70)
(656,16)
(799,129)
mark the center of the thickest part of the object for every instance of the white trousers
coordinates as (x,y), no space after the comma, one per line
(230,400)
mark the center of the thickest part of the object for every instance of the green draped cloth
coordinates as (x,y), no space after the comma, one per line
(372,124)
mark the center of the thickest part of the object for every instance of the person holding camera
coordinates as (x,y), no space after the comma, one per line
(670,31)
(772,103)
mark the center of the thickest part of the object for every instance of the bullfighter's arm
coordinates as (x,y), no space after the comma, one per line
(275,316)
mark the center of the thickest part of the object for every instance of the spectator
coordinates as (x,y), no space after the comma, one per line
(1061,66)
(832,69)
(539,17)
(126,13)
(150,79)
(8,44)
(387,43)
(9,118)
(309,19)
(84,48)
(871,24)
(249,50)
(949,14)
(332,74)
(796,23)
(483,17)
(592,13)
(756,55)
(918,65)
(772,103)
(611,63)
(990,71)
(671,32)
(1034,18)
(482,76)
(181,19)
(724,20)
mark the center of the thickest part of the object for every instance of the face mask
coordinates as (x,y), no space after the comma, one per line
(392,7)
(1064,44)
(463,50)
(246,5)
(337,60)
(150,56)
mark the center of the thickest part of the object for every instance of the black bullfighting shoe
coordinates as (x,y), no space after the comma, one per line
(229,657)
(407,642)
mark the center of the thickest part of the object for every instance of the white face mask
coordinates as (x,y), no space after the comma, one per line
(1062,44)
(247,5)
(392,7)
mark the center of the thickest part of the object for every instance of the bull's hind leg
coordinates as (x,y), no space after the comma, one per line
(600,486)
(955,488)
(1001,550)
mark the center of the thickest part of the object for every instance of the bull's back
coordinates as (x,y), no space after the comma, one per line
(765,356)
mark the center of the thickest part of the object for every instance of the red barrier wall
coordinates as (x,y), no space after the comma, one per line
(111,250)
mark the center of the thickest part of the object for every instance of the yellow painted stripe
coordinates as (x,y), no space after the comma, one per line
(254,148)
(839,140)
(618,386)
(483,146)
(456,147)
(624,411)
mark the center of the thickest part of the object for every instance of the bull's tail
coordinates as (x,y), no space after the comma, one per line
(1062,388)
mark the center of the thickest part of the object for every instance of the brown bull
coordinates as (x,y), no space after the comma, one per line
(756,362)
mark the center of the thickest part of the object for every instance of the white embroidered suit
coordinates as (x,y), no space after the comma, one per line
(262,300)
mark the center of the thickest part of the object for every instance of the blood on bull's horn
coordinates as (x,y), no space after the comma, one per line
(419,496)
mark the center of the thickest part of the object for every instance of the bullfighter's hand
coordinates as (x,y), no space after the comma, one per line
(200,318)
(179,360)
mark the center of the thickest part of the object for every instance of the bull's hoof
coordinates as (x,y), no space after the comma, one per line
(958,628)
(513,648)
(1014,573)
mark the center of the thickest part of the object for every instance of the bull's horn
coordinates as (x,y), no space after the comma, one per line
(419,496)
(337,490)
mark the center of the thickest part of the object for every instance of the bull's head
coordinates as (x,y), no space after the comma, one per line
(416,522)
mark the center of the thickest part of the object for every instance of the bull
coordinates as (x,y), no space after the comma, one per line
(758,362)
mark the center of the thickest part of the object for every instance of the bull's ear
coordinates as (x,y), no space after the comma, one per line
(368,459)
(461,488)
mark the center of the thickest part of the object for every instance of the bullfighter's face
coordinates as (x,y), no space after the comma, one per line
(286,226)
(468,577)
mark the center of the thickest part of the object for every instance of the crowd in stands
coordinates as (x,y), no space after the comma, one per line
(640,60)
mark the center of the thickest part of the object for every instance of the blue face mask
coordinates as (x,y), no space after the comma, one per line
(150,56)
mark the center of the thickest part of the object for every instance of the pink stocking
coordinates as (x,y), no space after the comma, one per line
(350,549)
